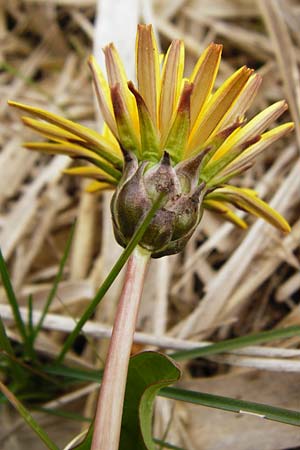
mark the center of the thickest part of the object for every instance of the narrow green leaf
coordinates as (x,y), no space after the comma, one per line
(6,347)
(12,299)
(65,414)
(239,342)
(4,341)
(30,327)
(75,373)
(28,418)
(230,404)
(57,280)
(110,278)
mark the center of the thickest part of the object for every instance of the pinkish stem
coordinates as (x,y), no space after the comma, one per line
(111,398)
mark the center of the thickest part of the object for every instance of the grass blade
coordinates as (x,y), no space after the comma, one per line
(110,278)
(57,280)
(65,414)
(12,299)
(214,401)
(239,342)
(4,341)
(6,347)
(230,404)
(30,327)
(75,373)
(28,418)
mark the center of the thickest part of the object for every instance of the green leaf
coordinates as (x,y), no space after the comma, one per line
(5,346)
(30,327)
(11,297)
(75,373)
(148,372)
(237,406)
(239,342)
(65,414)
(110,278)
(28,418)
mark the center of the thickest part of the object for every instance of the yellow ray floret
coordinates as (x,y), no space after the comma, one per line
(100,144)
(90,172)
(147,69)
(247,200)
(203,78)
(171,80)
(244,100)
(117,76)
(98,186)
(103,95)
(252,152)
(254,128)
(223,209)
(210,120)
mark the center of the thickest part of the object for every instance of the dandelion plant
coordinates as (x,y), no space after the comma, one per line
(169,141)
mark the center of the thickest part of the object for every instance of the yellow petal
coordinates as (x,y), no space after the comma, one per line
(66,148)
(117,75)
(98,142)
(75,151)
(127,136)
(252,152)
(210,120)
(51,131)
(147,66)
(115,69)
(203,78)
(103,95)
(108,135)
(98,186)
(215,166)
(254,128)
(89,172)
(244,100)
(223,209)
(170,85)
(248,201)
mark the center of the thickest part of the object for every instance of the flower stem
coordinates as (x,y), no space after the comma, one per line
(110,402)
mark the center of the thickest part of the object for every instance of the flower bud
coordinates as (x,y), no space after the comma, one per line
(179,214)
